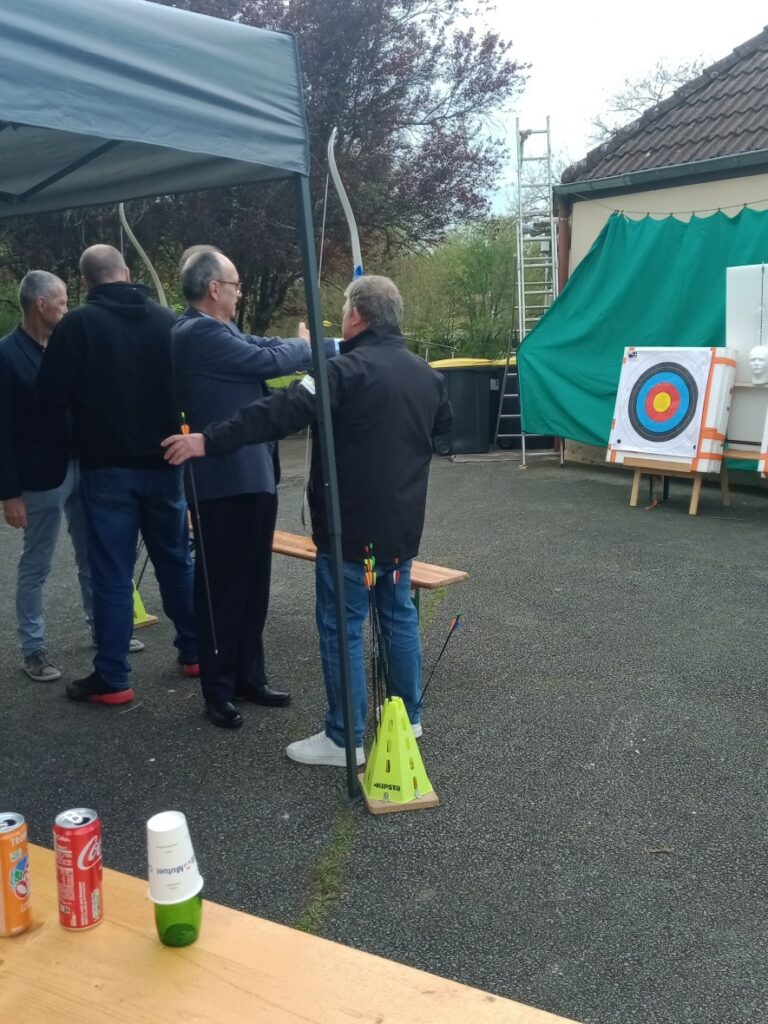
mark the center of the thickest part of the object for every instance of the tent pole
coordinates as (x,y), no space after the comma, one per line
(328,454)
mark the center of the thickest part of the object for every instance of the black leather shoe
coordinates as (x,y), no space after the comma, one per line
(265,695)
(224,714)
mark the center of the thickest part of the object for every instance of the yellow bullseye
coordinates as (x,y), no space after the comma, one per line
(661,402)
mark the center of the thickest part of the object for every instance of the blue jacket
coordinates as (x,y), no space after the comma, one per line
(34,443)
(217,370)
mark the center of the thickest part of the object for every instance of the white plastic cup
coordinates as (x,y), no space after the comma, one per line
(173,872)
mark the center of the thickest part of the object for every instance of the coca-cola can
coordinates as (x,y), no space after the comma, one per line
(77,842)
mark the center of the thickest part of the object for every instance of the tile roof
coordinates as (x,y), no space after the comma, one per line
(721,113)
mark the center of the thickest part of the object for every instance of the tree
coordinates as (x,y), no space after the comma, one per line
(641,94)
(411,85)
(459,298)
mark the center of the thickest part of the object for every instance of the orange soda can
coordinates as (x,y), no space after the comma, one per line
(15,908)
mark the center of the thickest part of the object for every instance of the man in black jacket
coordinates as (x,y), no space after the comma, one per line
(387,405)
(109,362)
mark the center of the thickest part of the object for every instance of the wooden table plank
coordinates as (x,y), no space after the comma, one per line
(242,970)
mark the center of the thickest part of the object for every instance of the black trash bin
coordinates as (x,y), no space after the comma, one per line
(469,386)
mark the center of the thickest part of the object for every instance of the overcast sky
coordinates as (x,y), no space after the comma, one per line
(581,53)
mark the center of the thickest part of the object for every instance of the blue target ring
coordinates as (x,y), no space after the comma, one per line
(663,402)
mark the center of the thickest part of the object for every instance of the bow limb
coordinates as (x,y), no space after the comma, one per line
(357,256)
(146,260)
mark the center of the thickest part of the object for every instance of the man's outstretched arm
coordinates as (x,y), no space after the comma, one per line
(269,419)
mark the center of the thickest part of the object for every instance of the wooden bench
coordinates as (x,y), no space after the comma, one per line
(423,575)
(242,969)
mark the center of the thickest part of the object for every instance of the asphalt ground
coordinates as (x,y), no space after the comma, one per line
(596,733)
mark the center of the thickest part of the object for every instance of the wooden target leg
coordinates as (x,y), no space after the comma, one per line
(725,489)
(635,492)
(695,495)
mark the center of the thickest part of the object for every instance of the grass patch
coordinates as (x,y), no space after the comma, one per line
(325,882)
(428,608)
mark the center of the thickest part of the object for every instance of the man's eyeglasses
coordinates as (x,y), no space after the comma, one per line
(238,285)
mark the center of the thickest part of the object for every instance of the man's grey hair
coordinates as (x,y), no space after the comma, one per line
(37,284)
(200,269)
(102,264)
(377,300)
(193,250)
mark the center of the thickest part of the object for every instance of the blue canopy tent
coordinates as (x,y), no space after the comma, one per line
(105,102)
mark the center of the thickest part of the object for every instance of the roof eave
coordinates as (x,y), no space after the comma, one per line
(655,177)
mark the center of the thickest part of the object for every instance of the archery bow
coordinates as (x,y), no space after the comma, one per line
(146,260)
(357,256)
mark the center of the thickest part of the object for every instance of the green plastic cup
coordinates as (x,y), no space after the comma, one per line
(178,924)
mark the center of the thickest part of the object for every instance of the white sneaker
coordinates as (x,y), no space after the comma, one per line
(418,732)
(320,749)
(134,645)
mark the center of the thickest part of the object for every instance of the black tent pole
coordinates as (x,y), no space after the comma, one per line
(328,454)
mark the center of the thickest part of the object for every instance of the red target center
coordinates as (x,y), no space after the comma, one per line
(662,402)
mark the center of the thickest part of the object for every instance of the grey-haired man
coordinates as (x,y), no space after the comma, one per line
(217,369)
(38,482)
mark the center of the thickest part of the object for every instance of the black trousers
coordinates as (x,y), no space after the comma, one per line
(237,534)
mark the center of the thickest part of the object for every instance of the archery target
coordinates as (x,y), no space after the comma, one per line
(663,402)
(660,401)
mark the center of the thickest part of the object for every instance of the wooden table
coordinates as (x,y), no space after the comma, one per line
(242,970)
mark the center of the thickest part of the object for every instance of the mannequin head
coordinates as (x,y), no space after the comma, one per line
(758,364)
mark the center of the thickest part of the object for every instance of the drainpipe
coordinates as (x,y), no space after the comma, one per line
(564,210)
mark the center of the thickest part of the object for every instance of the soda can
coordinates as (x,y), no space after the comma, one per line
(15,911)
(77,843)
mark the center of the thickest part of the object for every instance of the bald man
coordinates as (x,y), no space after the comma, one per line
(109,363)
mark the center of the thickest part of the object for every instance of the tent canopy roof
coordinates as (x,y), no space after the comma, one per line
(103,102)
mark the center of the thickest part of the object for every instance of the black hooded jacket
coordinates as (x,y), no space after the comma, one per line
(387,404)
(109,362)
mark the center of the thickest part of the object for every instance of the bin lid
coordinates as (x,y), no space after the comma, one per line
(463,364)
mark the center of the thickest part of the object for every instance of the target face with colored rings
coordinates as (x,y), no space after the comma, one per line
(663,402)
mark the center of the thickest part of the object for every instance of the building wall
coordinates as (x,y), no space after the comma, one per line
(589,215)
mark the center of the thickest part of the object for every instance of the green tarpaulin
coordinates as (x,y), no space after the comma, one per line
(643,282)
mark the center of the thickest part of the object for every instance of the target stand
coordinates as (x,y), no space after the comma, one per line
(665,470)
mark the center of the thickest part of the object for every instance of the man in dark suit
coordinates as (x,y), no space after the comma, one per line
(38,482)
(217,369)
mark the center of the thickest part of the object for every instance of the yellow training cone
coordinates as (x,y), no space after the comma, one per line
(141,616)
(395,778)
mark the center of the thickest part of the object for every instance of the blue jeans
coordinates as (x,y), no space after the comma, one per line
(400,628)
(44,512)
(118,504)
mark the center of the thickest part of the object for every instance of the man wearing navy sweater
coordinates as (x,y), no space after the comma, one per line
(38,482)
